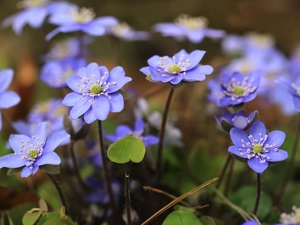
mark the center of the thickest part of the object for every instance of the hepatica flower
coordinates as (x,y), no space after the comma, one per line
(31,152)
(258,148)
(96,92)
(139,127)
(234,88)
(125,32)
(34,13)
(192,28)
(80,20)
(250,222)
(239,120)
(182,67)
(294,89)
(55,72)
(7,98)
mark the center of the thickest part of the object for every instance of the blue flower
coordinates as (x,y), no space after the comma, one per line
(34,13)
(34,151)
(7,98)
(80,20)
(239,120)
(250,222)
(96,92)
(55,72)
(192,28)
(258,148)
(139,127)
(293,88)
(182,67)
(234,88)
(125,32)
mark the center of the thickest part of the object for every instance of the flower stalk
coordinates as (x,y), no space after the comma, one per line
(258,193)
(162,135)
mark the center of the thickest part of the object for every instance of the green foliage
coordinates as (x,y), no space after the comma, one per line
(32,216)
(245,198)
(182,216)
(18,212)
(127,149)
(51,169)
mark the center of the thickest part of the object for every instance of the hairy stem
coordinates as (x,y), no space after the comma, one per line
(258,194)
(162,135)
(107,175)
(60,193)
(288,174)
(127,196)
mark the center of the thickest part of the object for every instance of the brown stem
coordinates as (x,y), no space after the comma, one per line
(162,135)
(258,194)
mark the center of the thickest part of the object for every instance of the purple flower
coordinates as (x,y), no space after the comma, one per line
(258,148)
(250,222)
(80,20)
(96,92)
(34,13)
(182,67)
(239,120)
(34,151)
(55,72)
(7,98)
(192,28)
(123,130)
(234,88)
(125,32)
(294,89)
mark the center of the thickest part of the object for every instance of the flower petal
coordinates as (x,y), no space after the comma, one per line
(112,137)
(277,156)
(123,130)
(257,166)
(150,140)
(11,161)
(26,172)
(101,107)
(116,73)
(258,130)
(9,99)
(71,99)
(296,101)
(145,70)
(54,140)
(93,28)
(195,57)
(139,125)
(237,135)
(80,108)
(93,70)
(116,102)
(89,116)
(6,77)
(275,138)
(235,150)
(74,82)
(119,84)
(37,17)
(15,141)
(49,158)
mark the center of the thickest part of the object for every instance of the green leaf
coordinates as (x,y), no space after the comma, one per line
(235,108)
(32,216)
(124,94)
(43,205)
(12,171)
(182,217)
(18,212)
(51,169)
(126,149)
(60,221)
(48,216)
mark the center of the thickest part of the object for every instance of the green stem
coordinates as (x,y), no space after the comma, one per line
(292,161)
(60,193)
(107,175)
(258,194)
(127,196)
(162,135)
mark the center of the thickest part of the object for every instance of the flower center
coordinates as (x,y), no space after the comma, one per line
(191,23)
(174,68)
(95,89)
(84,15)
(238,90)
(32,153)
(31,3)
(120,29)
(257,148)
